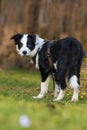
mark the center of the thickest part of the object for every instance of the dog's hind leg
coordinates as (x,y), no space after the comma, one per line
(61,84)
(44,88)
(74,80)
(75,85)
(61,94)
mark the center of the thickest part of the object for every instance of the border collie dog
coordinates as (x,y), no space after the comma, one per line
(66,55)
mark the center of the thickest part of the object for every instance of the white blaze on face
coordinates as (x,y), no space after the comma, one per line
(24,47)
(24,39)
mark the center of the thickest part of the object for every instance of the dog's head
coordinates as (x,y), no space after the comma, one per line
(26,44)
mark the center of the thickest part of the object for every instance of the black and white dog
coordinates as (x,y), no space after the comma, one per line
(66,55)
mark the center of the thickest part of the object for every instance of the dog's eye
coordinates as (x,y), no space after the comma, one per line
(30,46)
(20,45)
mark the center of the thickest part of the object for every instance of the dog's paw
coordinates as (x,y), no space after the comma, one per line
(55,94)
(74,99)
(57,99)
(40,96)
(60,95)
(75,96)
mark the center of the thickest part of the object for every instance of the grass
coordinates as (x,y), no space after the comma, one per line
(16,90)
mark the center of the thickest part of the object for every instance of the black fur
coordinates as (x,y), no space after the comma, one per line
(31,41)
(68,53)
(17,37)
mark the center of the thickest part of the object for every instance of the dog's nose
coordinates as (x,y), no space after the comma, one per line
(24,52)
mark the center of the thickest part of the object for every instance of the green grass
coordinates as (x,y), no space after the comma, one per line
(16,90)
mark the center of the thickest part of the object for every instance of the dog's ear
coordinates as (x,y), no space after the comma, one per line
(16,37)
(32,36)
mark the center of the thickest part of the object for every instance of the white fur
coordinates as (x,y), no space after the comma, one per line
(56,91)
(75,95)
(60,95)
(74,82)
(39,41)
(55,65)
(37,62)
(44,89)
(24,39)
(33,52)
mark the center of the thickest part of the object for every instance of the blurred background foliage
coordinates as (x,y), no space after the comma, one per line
(51,19)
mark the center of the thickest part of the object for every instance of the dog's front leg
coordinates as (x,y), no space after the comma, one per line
(44,89)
